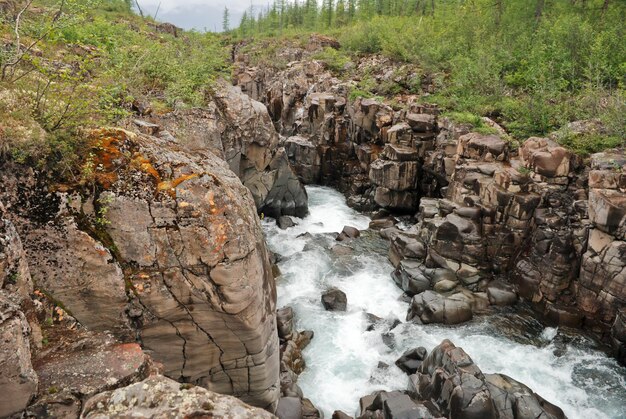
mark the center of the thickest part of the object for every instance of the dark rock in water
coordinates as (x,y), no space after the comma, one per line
(501,294)
(382,365)
(284,319)
(306,235)
(335,300)
(338,414)
(284,222)
(372,321)
(411,360)
(389,339)
(341,237)
(289,408)
(382,223)
(449,377)
(381,397)
(348,233)
(309,411)
(351,232)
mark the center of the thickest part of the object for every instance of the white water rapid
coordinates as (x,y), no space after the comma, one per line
(566,369)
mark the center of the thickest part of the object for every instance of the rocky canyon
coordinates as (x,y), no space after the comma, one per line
(292,249)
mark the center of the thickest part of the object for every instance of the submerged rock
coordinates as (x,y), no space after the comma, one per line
(334,300)
(411,360)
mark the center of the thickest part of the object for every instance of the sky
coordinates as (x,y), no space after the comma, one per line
(199,14)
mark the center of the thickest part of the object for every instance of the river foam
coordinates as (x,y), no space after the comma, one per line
(342,360)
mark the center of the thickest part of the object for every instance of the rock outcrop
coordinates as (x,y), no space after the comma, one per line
(543,224)
(447,383)
(239,130)
(292,403)
(18,380)
(168,251)
(161,397)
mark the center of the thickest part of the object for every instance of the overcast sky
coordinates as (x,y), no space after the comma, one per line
(199,14)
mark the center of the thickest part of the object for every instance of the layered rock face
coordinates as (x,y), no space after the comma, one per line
(537,224)
(239,130)
(18,380)
(168,251)
(493,223)
(362,147)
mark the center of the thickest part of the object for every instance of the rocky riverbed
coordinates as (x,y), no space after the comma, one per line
(353,353)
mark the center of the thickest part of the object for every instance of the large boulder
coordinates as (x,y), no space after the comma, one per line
(449,378)
(161,397)
(432,307)
(514,400)
(169,251)
(334,300)
(250,144)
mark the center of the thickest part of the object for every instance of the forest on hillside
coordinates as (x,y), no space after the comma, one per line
(534,65)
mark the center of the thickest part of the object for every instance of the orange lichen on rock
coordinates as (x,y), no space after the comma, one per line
(145,165)
(218,226)
(170,185)
(105,156)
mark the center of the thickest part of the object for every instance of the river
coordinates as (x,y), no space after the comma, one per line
(566,368)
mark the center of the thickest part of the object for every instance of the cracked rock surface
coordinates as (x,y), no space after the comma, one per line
(166,248)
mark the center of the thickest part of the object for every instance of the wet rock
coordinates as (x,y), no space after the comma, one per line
(382,223)
(309,411)
(284,222)
(431,307)
(411,360)
(284,320)
(305,159)
(289,408)
(410,276)
(449,378)
(501,294)
(351,232)
(158,396)
(334,300)
(402,407)
(513,399)
(618,336)
(338,414)
(18,380)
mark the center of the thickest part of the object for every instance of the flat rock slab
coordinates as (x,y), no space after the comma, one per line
(90,371)
(161,397)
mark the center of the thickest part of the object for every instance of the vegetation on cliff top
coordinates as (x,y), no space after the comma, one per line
(73,64)
(532,65)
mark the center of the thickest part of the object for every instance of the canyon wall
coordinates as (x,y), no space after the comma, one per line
(158,242)
(493,220)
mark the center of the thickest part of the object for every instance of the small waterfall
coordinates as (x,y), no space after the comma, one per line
(566,368)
